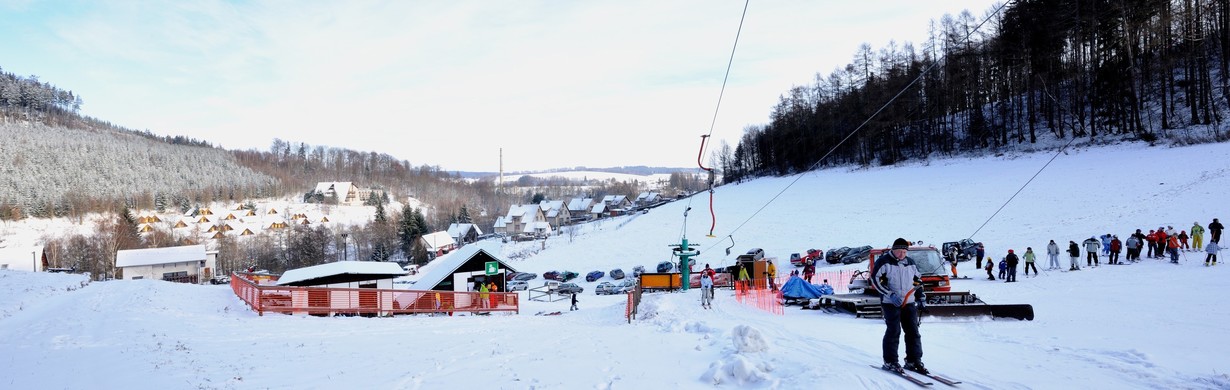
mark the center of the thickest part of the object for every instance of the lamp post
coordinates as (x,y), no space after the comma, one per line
(345,247)
(33,261)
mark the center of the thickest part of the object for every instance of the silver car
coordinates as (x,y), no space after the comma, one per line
(517,285)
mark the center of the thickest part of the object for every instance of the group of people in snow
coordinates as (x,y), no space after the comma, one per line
(1162,243)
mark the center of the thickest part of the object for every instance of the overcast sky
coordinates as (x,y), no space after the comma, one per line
(449,83)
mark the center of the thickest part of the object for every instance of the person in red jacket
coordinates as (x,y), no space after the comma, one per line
(1115,247)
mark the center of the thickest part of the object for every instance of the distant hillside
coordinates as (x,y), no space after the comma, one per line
(58,171)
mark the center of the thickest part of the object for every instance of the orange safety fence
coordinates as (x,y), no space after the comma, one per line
(757,293)
(264,298)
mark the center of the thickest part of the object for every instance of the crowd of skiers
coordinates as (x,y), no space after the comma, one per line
(1162,243)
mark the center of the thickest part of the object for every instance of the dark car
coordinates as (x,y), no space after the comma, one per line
(856,255)
(525,276)
(637,271)
(551,275)
(568,288)
(834,255)
(595,275)
(617,274)
(966,249)
(566,276)
(665,266)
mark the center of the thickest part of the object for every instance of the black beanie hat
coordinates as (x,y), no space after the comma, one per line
(901,243)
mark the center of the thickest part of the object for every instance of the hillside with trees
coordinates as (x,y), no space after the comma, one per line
(1037,71)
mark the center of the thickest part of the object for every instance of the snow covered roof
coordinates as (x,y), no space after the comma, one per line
(438,240)
(374,269)
(598,208)
(580,204)
(444,266)
(151,256)
(518,210)
(499,222)
(460,229)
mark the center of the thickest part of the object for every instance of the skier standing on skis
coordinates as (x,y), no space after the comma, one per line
(706,287)
(1029,261)
(1075,253)
(1215,229)
(896,277)
(1091,248)
(1052,253)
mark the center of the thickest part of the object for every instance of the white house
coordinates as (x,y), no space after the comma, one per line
(184,264)
(464,233)
(438,243)
(345,192)
(555,212)
(579,208)
(521,215)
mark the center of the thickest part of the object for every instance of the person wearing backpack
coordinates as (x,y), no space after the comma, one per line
(1091,248)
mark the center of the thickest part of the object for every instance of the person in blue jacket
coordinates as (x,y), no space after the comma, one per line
(895,275)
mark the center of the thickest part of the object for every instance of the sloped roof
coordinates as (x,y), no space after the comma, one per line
(437,240)
(580,204)
(499,222)
(460,229)
(445,266)
(168,255)
(354,270)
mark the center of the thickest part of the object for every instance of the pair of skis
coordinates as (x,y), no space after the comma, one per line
(919,381)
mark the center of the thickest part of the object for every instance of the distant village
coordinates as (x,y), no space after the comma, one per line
(199,263)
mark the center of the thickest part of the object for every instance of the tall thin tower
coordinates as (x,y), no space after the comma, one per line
(501,170)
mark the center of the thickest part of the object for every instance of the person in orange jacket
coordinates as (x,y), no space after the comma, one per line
(1172,246)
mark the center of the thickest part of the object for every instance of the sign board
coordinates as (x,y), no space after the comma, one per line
(492,267)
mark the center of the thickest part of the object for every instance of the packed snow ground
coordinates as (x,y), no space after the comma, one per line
(1149,325)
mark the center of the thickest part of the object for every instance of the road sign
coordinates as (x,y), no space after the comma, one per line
(492,267)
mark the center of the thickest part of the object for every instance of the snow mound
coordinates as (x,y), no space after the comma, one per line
(23,289)
(742,365)
(748,340)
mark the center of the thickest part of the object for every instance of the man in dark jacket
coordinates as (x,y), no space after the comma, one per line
(1012,262)
(896,277)
(1215,230)
(1075,253)
(980,252)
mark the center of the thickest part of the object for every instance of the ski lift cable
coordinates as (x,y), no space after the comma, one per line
(713,123)
(864,123)
(1039,172)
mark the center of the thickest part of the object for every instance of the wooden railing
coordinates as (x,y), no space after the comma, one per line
(262,298)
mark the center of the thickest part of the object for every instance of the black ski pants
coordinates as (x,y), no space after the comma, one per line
(1091,259)
(900,320)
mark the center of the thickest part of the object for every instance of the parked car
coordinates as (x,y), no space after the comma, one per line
(617,274)
(517,285)
(220,280)
(511,276)
(551,275)
(569,288)
(637,271)
(525,276)
(626,285)
(665,266)
(834,255)
(567,275)
(595,275)
(856,255)
(606,288)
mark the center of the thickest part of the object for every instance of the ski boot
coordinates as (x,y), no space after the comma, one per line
(894,367)
(916,367)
